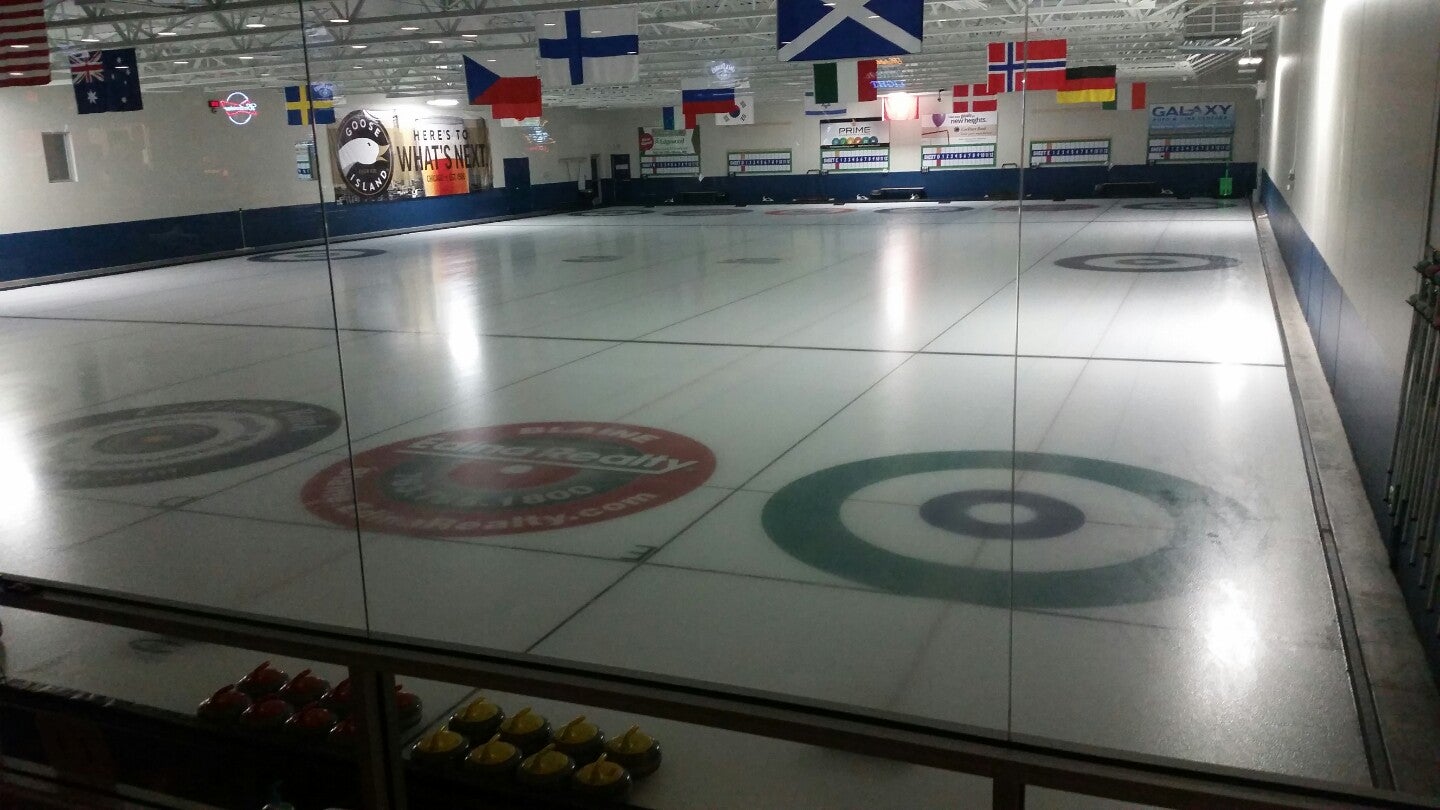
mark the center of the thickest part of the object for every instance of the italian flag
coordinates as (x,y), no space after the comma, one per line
(1130,96)
(828,85)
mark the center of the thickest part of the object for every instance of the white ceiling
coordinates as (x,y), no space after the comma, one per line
(224,44)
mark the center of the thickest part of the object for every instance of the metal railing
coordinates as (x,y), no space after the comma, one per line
(1012,763)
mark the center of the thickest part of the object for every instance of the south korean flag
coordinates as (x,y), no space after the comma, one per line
(826,30)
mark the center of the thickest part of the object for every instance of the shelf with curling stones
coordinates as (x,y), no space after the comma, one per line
(305,706)
(637,751)
(440,750)
(602,780)
(479,720)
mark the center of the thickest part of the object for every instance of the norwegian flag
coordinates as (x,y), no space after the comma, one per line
(973,98)
(87,67)
(1020,66)
(24,45)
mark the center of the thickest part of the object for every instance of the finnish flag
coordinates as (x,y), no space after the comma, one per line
(825,30)
(588,46)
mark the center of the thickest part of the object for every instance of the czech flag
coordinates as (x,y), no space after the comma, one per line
(507,82)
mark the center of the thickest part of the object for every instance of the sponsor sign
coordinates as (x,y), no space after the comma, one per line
(942,128)
(377,155)
(1205,116)
(239,109)
(854,132)
(510,479)
(305,160)
(657,141)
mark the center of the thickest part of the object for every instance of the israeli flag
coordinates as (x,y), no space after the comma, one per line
(826,30)
(588,46)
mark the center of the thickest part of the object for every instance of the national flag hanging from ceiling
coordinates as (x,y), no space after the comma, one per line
(310,103)
(828,87)
(1085,84)
(973,98)
(589,46)
(1131,98)
(105,81)
(506,81)
(699,96)
(1019,66)
(810,30)
(742,113)
(24,45)
(815,108)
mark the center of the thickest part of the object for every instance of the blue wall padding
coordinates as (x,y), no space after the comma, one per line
(36,254)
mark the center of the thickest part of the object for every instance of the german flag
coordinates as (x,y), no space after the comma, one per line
(1087,84)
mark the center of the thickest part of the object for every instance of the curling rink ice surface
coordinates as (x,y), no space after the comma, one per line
(764,448)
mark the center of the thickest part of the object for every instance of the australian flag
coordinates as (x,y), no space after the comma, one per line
(105,81)
(826,30)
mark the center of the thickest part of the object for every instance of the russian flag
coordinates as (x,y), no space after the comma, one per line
(701,96)
(507,82)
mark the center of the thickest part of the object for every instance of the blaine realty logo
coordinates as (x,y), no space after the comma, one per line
(363,154)
(510,479)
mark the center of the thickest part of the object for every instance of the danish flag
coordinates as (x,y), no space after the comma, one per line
(973,98)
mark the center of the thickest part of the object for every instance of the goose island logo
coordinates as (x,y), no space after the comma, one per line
(363,152)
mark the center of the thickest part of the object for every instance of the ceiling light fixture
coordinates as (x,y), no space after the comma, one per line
(435,42)
(359,47)
(442,102)
(409,28)
(89,39)
(181,62)
(254,25)
(167,34)
(339,21)
(469,36)
(245,57)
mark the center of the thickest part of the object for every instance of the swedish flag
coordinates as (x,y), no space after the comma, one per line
(304,103)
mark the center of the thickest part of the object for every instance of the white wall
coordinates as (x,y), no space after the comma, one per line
(175,157)
(785,126)
(1349,138)
(172,158)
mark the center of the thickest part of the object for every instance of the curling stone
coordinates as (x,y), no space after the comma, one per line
(494,761)
(440,749)
(266,715)
(579,740)
(545,770)
(263,681)
(225,706)
(637,751)
(526,730)
(479,720)
(601,781)
(304,689)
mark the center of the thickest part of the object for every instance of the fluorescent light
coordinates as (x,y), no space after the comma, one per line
(409,28)
(549,25)
(358,47)
(469,36)
(167,34)
(442,102)
(180,62)
(435,42)
(244,57)
(89,39)
(254,25)
(339,21)
(490,60)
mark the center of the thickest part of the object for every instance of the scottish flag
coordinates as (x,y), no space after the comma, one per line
(825,30)
(588,46)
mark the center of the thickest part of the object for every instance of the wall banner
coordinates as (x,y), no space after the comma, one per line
(659,141)
(854,132)
(380,155)
(943,128)
(1204,116)
(305,160)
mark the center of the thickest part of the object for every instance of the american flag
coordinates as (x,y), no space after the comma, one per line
(24,47)
(87,67)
